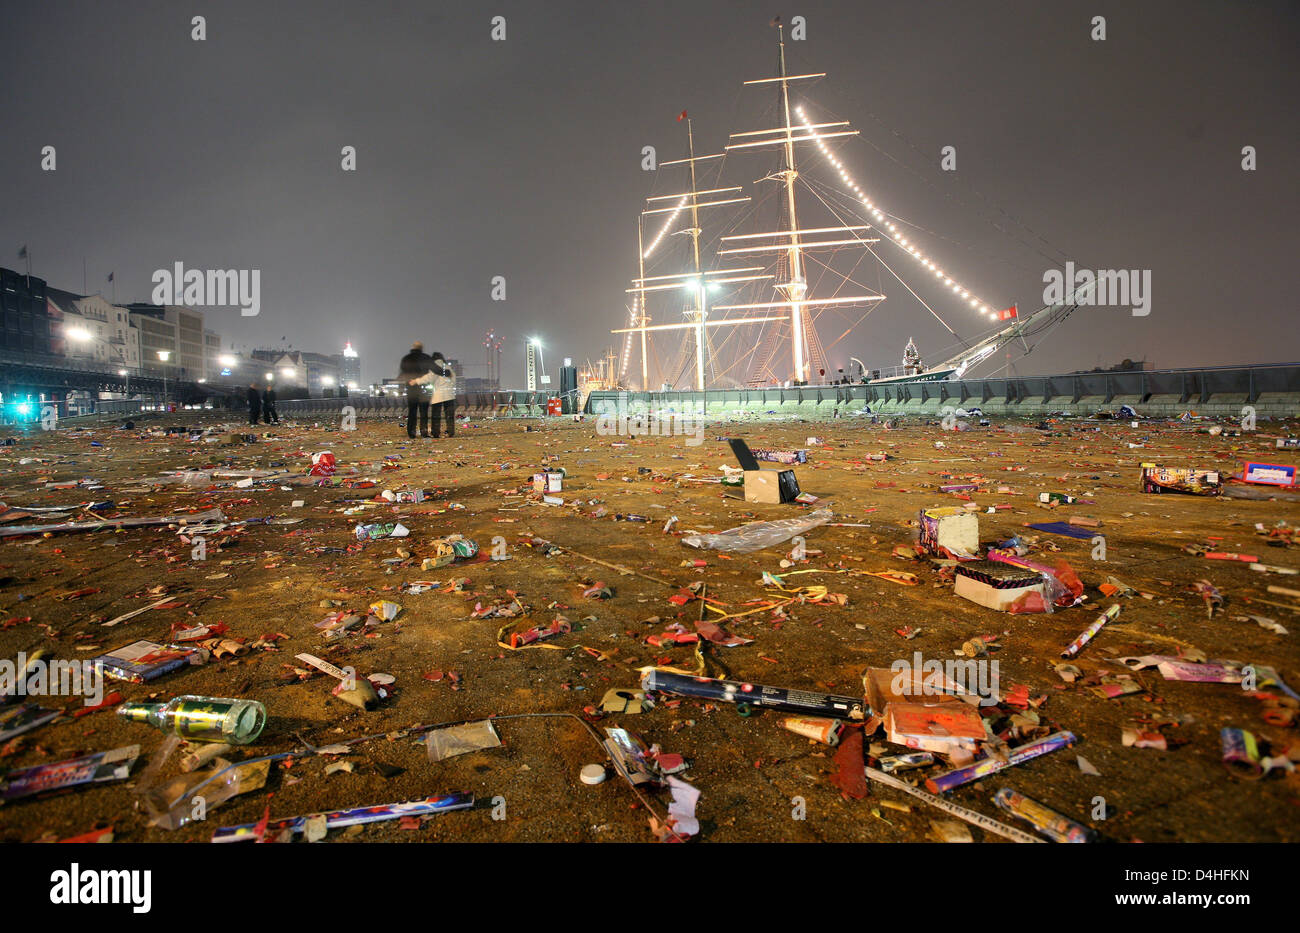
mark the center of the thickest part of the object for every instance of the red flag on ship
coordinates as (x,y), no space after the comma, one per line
(1008,314)
(681,116)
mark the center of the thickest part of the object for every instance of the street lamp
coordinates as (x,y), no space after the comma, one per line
(164,356)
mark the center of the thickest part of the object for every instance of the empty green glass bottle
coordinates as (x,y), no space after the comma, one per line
(203,719)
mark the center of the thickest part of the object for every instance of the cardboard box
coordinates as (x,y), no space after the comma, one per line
(771,486)
(548,482)
(951,527)
(996,585)
(1195,482)
(917,687)
(1269,474)
(934,728)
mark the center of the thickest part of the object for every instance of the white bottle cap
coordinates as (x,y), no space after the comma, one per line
(593,774)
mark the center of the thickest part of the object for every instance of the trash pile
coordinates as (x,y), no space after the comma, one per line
(311,634)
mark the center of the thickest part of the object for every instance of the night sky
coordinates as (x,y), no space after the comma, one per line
(522,159)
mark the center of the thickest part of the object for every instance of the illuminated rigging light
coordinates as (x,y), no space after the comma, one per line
(897,235)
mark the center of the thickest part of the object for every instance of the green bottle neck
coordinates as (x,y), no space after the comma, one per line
(140,712)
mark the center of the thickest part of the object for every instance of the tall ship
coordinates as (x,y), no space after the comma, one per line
(763,286)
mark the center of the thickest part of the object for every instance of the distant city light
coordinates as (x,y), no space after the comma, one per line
(228,360)
(164,355)
(79,334)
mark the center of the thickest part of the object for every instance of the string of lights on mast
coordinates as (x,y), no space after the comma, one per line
(910,248)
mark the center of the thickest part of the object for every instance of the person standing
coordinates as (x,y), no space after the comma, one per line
(254,403)
(413,368)
(269,414)
(443,380)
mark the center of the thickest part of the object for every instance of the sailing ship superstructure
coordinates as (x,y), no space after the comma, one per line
(696,281)
(782,319)
(790,241)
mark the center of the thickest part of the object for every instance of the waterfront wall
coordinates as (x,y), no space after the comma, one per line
(1272,390)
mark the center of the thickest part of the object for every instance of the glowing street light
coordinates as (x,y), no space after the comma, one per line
(164,355)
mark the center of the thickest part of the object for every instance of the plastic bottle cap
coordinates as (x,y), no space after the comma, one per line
(593,774)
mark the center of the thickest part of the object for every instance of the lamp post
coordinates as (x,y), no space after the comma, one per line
(164,356)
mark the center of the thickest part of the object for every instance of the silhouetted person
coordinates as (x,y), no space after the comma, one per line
(269,414)
(413,367)
(254,403)
(443,380)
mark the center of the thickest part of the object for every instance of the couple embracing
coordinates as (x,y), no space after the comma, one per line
(430,382)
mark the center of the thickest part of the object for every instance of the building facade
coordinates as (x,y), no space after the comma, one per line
(157,336)
(351,367)
(92,329)
(25,328)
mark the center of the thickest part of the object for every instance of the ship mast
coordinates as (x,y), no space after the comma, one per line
(797,287)
(792,240)
(696,280)
(700,313)
(642,318)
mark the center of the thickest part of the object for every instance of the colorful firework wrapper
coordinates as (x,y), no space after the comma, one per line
(983,768)
(1241,753)
(97,768)
(1074,647)
(754,695)
(356,816)
(896,763)
(781,456)
(1053,825)
(1180,479)
(817,728)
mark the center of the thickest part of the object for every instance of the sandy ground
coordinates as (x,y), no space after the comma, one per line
(267,578)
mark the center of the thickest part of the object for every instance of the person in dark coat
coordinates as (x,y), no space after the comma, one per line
(443,382)
(413,367)
(269,414)
(254,403)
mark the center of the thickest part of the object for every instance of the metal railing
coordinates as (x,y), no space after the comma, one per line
(1184,386)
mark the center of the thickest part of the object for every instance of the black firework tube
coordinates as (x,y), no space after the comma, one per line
(804,702)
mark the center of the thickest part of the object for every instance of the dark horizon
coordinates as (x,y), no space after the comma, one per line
(522,159)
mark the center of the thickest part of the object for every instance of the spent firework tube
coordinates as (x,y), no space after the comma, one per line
(1053,825)
(1074,647)
(896,763)
(975,818)
(731,691)
(1241,753)
(817,728)
(983,768)
(356,816)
